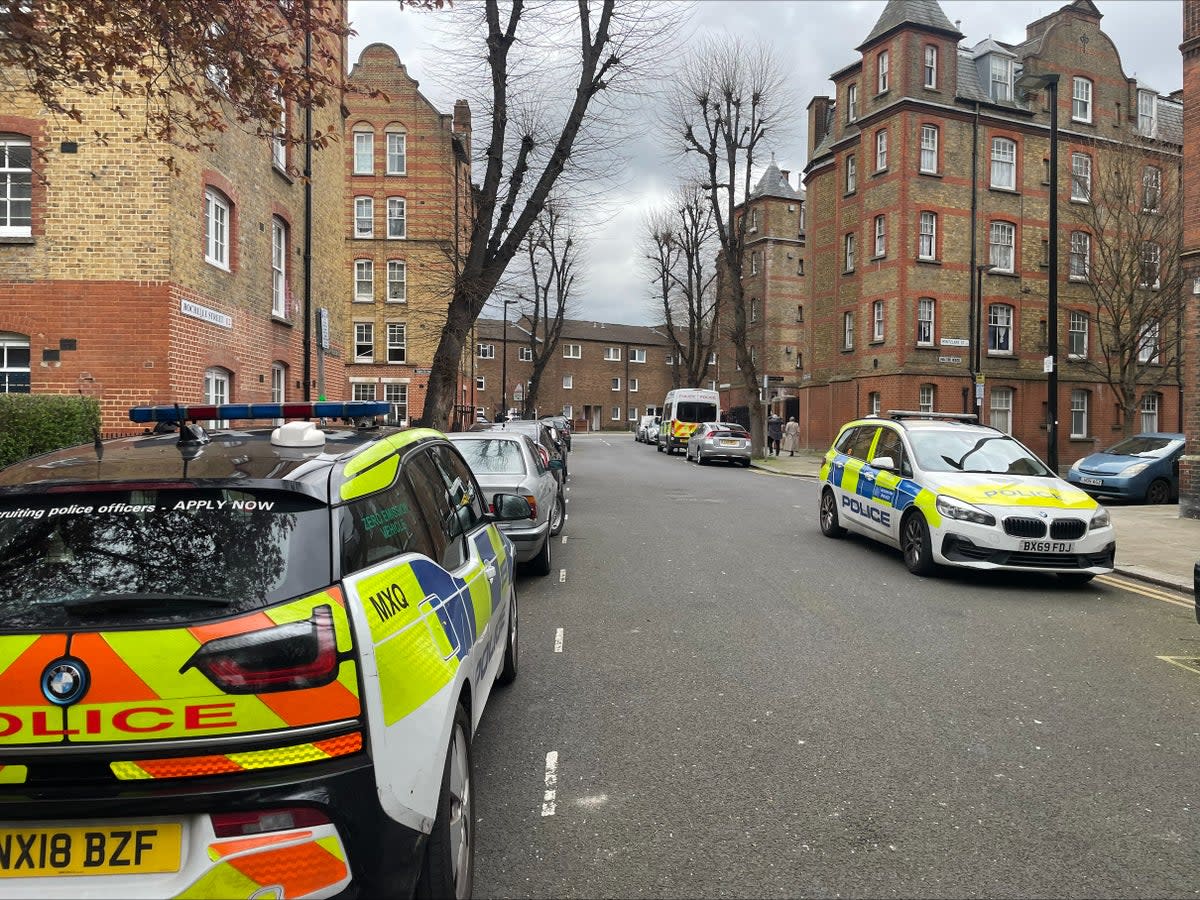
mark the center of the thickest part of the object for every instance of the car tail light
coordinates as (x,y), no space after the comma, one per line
(284,658)
(239,824)
(545,454)
(532,505)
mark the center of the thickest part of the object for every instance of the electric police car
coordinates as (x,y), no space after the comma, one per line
(948,491)
(248,662)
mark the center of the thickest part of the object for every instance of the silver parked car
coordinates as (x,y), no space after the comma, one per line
(726,441)
(511,463)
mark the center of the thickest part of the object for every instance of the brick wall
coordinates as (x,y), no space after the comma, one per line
(1189,469)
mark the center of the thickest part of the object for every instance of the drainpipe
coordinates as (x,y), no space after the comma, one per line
(974,356)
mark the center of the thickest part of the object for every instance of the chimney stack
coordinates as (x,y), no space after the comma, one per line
(818,118)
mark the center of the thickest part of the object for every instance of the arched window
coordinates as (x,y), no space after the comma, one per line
(218,387)
(1004,163)
(364,150)
(279,245)
(929,148)
(1002,246)
(397,152)
(218,227)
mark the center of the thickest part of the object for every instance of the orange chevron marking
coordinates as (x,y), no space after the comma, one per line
(252,622)
(301,869)
(328,703)
(21,682)
(112,679)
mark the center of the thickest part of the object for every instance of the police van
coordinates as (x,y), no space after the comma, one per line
(248,662)
(682,412)
(950,492)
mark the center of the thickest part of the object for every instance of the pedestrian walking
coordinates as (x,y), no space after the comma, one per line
(774,433)
(791,435)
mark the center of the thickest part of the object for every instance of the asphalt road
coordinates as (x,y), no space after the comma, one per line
(742,707)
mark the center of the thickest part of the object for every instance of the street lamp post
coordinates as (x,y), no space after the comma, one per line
(976,335)
(504,363)
(1049,81)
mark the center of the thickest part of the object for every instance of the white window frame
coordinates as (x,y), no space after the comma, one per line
(364,217)
(1002,246)
(568,382)
(849,246)
(633,414)
(393,343)
(753,262)
(397,281)
(1000,79)
(633,385)
(851,103)
(16,185)
(753,309)
(1151,189)
(883,75)
(481,382)
(279,135)
(930,67)
(396,396)
(364,151)
(1078,326)
(364,281)
(1000,329)
(572,351)
(568,410)
(847,331)
(926,321)
(881,235)
(218,389)
(878,320)
(364,336)
(874,403)
(637,355)
(925,398)
(362,390)
(1004,163)
(616,384)
(1081,99)
(616,414)
(525,354)
(279,373)
(397,214)
(14,377)
(1151,255)
(927,236)
(401,156)
(218,217)
(1081,178)
(1080,256)
(1149,411)
(851,174)
(1149,344)
(929,149)
(1000,409)
(612,354)
(1079,413)
(485,351)
(881,150)
(278,267)
(1147,113)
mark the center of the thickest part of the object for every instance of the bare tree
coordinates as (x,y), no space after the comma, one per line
(729,98)
(1124,252)
(524,157)
(680,241)
(552,254)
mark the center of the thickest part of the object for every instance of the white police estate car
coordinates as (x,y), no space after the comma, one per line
(948,491)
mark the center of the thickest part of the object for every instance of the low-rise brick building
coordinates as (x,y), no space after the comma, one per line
(129,283)
(927,167)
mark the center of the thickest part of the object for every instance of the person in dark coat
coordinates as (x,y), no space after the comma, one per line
(774,433)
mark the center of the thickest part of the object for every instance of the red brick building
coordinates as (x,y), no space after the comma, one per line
(1189,468)
(406,219)
(929,165)
(123,281)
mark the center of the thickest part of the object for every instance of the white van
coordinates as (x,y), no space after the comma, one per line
(683,411)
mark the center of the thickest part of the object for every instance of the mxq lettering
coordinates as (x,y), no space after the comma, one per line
(389,602)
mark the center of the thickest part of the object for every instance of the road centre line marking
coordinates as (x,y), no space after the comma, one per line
(548,798)
(564,538)
(1191,665)
(562,575)
(558,641)
(1136,588)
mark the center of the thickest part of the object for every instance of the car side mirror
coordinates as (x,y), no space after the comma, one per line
(556,463)
(510,508)
(885,463)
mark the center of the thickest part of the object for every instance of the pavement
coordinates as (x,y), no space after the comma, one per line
(1154,544)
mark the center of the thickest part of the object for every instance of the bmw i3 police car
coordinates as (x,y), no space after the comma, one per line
(247,662)
(947,491)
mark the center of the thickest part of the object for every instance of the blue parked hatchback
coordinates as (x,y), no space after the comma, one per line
(1144,468)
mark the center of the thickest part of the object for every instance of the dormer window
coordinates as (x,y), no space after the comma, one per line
(1147,113)
(1001,78)
(930,68)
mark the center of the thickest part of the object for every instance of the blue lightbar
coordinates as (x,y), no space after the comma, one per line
(353,409)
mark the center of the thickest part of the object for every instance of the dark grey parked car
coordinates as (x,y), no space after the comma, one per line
(510,463)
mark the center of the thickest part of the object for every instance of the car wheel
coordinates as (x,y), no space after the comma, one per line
(540,564)
(658,446)
(558,515)
(508,671)
(914,541)
(829,516)
(700,460)
(1158,492)
(1074,579)
(745,463)
(448,866)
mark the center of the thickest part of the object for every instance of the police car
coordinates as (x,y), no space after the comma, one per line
(947,491)
(248,662)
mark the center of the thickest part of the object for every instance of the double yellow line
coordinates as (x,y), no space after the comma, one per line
(1154,593)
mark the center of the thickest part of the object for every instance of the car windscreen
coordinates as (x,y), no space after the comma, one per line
(492,457)
(693,411)
(156,556)
(973,451)
(1142,445)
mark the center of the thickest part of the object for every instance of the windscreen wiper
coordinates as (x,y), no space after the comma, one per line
(119,602)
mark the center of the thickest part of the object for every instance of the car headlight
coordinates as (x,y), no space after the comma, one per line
(1100,519)
(1135,469)
(957,509)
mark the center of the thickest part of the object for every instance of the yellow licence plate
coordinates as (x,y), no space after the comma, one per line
(133,849)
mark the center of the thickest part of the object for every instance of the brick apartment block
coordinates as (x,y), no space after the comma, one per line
(890,155)
(128,283)
(1189,469)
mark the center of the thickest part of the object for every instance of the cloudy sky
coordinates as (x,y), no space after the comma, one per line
(811,39)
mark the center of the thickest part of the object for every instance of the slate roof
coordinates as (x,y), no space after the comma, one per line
(773,184)
(922,13)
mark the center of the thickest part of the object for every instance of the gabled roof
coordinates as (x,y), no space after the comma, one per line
(991,46)
(773,184)
(925,14)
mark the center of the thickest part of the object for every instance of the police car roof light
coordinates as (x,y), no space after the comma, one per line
(352,409)
(918,414)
